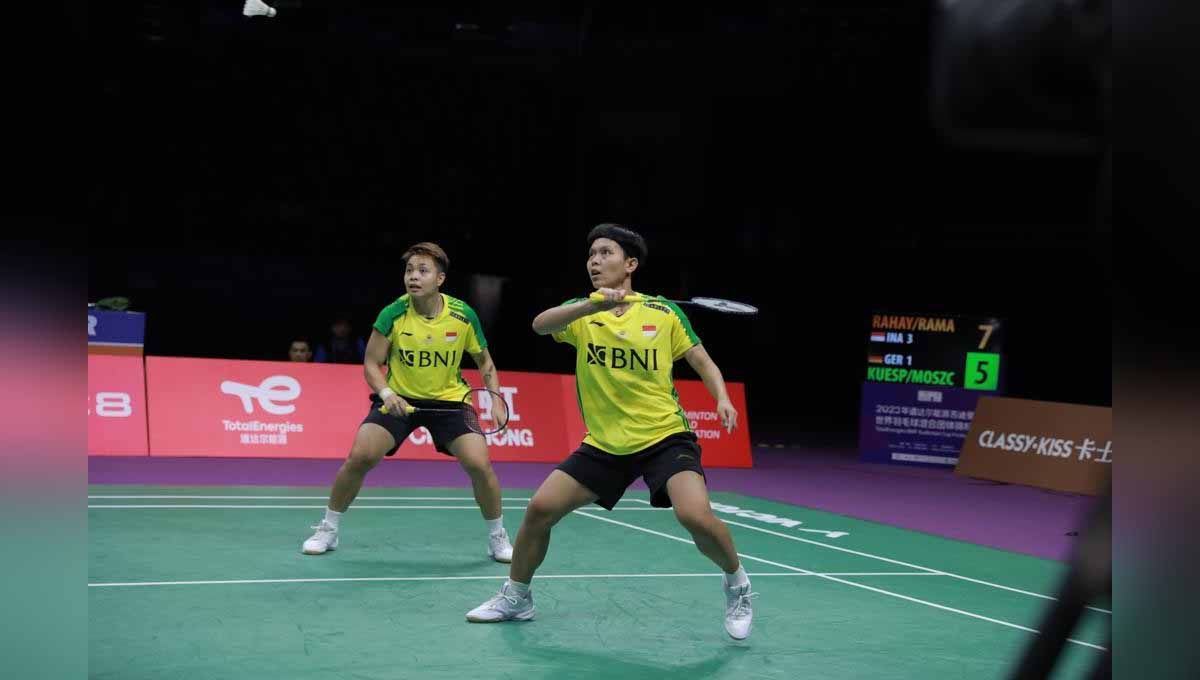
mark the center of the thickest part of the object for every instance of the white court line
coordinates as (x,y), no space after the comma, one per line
(298,498)
(849,583)
(900,563)
(186,506)
(639,500)
(323,498)
(481,578)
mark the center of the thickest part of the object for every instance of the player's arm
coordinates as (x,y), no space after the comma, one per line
(697,357)
(487,369)
(378,348)
(491,380)
(555,319)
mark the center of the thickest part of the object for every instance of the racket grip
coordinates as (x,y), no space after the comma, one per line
(599,297)
(410,410)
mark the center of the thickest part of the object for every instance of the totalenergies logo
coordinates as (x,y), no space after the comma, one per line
(268,393)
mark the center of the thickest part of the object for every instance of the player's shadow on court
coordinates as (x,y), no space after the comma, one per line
(567,662)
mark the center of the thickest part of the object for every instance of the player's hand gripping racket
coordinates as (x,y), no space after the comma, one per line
(484,411)
(716,304)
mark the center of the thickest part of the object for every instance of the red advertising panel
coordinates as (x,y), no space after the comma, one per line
(207,407)
(116,406)
(215,407)
(720,448)
(268,409)
(536,431)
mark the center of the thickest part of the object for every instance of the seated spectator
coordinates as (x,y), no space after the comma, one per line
(301,350)
(341,347)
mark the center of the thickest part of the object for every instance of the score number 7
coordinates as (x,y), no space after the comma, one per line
(987,329)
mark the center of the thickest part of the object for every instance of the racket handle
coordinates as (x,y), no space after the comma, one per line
(410,410)
(599,297)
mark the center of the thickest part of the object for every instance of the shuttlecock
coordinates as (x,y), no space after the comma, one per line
(257,8)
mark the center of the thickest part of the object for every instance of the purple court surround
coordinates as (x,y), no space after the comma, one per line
(936,501)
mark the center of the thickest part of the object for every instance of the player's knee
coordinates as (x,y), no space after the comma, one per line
(363,457)
(542,514)
(695,520)
(478,467)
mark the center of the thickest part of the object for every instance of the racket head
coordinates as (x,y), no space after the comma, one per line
(480,412)
(726,306)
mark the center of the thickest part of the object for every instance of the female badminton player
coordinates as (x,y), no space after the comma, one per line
(422,337)
(624,353)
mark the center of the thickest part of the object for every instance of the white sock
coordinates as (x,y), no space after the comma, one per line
(737,578)
(495,526)
(333,518)
(517,588)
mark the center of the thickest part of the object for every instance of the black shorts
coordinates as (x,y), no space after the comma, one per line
(444,427)
(608,475)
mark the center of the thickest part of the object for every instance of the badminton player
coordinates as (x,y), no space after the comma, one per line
(635,426)
(421,337)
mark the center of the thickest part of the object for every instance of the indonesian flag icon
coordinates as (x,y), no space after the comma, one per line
(649,331)
(451,336)
(878,336)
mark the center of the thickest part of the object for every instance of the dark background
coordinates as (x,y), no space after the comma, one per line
(258,177)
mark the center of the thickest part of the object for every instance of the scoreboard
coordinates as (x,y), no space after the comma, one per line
(947,351)
(923,375)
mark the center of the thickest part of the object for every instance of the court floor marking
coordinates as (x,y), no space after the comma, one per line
(352,579)
(843,581)
(910,565)
(187,506)
(295,498)
(316,498)
(902,564)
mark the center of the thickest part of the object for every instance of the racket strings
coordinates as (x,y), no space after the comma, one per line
(728,306)
(471,416)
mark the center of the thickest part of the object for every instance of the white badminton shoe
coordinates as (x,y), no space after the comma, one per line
(505,605)
(323,541)
(499,548)
(738,612)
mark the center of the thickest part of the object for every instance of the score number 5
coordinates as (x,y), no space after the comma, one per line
(982,369)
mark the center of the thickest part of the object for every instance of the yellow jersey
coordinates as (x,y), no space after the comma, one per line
(426,354)
(623,373)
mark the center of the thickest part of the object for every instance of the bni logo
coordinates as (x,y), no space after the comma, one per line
(596,354)
(274,389)
(621,357)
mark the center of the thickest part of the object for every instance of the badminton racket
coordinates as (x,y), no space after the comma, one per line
(476,410)
(715,304)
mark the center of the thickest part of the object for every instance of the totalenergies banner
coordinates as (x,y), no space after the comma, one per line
(210,407)
(258,409)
